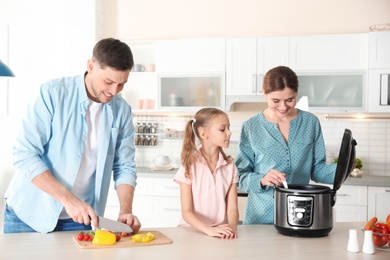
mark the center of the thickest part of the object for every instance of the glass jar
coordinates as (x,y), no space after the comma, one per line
(168,133)
(153,141)
(136,140)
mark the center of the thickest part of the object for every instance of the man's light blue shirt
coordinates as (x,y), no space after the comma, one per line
(52,137)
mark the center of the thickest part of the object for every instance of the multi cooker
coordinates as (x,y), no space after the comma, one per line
(306,209)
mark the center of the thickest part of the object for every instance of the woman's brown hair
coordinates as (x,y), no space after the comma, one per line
(190,152)
(278,78)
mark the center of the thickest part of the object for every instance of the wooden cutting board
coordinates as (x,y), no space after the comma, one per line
(160,239)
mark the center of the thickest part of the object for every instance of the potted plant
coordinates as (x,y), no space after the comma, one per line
(357,171)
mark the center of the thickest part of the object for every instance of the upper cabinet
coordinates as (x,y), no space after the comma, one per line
(191,91)
(379,72)
(140,90)
(379,50)
(332,71)
(247,60)
(329,52)
(334,91)
(191,55)
(241,67)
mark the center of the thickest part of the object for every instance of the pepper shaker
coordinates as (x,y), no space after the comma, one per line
(368,244)
(353,244)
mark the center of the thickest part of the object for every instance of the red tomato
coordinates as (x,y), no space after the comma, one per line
(382,226)
(80,237)
(381,234)
(379,240)
(86,237)
(118,237)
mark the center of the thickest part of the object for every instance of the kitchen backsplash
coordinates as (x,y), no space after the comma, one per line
(373,139)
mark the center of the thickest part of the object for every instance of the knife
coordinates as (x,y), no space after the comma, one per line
(114,226)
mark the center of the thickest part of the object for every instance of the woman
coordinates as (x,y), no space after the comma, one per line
(280,143)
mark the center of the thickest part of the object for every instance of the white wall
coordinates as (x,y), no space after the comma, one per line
(54,38)
(156,19)
(46,39)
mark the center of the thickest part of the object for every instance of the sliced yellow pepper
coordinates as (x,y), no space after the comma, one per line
(104,238)
(143,237)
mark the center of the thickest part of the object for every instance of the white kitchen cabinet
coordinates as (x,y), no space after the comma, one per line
(329,52)
(191,55)
(379,72)
(144,52)
(156,202)
(241,203)
(334,91)
(247,60)
(332,71)
(272,52)
(351,204)
(378,202)
(191,91)
(379,90)
(379,50)
(141,86)
(241,67)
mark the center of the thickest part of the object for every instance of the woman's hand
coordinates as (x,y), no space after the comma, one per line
(273,178)
(222,231)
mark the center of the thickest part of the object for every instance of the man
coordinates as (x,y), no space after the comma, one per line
(77,134)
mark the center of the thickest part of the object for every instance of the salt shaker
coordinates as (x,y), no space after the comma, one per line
(368,244)
(353,245)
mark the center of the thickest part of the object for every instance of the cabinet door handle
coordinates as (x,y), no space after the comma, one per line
(260,83)
(387,190)
(171,187)
(384,85)
(172,209)
(342,195)
(254,81)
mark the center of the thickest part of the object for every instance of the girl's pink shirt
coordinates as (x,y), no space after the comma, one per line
(209,190)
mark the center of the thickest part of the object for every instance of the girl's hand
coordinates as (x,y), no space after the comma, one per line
(272,178)
(222,231)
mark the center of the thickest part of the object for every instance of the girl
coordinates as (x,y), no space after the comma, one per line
(208,177)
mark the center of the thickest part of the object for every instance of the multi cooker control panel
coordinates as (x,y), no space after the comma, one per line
(300,210)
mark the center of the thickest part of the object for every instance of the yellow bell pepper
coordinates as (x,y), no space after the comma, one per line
(104,238)
(143,237)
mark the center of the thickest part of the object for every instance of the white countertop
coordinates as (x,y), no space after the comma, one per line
(254,242)
(365,180)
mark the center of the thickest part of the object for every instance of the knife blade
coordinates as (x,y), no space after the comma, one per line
(114,226)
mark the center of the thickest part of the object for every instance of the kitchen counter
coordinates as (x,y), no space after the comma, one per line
(369,180)
(365,180)
(255,241)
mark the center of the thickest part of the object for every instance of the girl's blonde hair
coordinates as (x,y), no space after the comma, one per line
(190,152)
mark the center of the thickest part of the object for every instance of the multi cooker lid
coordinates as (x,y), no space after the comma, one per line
(346,159)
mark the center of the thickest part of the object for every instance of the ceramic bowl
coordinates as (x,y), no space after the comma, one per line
(162,161)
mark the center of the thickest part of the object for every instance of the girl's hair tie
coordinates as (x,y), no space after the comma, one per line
(193,120)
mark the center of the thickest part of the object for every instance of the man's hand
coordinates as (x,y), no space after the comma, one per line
(80,211)
(130,220)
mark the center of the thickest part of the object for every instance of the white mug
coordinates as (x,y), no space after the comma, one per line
(150,67)
(138,68)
